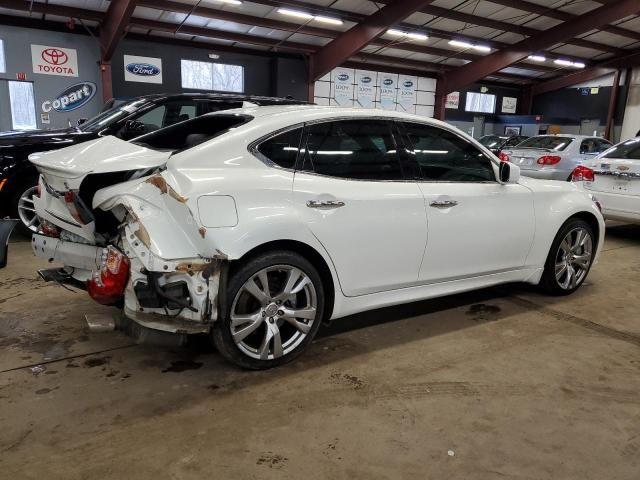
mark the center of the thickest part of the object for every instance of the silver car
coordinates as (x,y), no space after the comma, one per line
(553,157)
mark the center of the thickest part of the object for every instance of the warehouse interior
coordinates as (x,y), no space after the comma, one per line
(502,382)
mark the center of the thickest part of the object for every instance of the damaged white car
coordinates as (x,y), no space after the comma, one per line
(255,225)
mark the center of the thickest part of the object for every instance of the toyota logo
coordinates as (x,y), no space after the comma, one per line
(54,56)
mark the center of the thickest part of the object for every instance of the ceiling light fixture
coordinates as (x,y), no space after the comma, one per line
(295,13)
(460,43)
(411,35)
(481,48)
(568,63)
(329,20)
(537,58)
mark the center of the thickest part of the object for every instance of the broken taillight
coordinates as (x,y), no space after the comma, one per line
(582,174)
(503,157)
(77,208)
(107,284)
(48,229)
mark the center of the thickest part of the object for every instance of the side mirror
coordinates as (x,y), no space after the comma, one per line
(132,129)
(509,173)
(81,121)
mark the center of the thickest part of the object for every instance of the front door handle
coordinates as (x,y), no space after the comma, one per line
(325,204)
(443,203)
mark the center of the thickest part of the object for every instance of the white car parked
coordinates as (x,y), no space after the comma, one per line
(258,224)
(615,180)
(554,157)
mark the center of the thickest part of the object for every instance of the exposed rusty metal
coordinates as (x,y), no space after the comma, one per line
(161,184)
(202,231)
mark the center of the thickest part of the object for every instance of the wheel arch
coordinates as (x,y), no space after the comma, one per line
(307,251)
(591,220)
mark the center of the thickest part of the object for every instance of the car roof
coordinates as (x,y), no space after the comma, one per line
(232,97)
(569,135)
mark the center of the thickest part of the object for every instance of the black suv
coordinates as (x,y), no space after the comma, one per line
(18,177)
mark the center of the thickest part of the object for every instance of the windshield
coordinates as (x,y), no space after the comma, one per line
(629,150)
(513,141)
(112,115)
(548,143)
(491,141)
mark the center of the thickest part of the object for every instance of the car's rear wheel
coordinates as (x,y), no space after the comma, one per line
(569,259)
(22,207)
(275,304)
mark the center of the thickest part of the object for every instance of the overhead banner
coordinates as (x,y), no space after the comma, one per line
(509,104)
(407,93)
(387,85)
(453,100)
(142,69)
(365,88)
(54,61)
(343,87)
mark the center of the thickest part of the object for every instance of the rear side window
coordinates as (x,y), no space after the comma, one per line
(355,149)
(550,143)
(282,149)
(590,145)
(188,134)
(442,156)
(629,150)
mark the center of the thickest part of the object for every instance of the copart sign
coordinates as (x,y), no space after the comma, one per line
(71,98)
(54,61)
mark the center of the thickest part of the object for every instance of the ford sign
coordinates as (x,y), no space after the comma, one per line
(365,79)
(408,84)
(143,69)
(388,81)
(343,77)
(72,98)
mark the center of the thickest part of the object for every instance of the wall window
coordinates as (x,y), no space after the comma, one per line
(212,76)
(3,65)
(480,102)
(23,106)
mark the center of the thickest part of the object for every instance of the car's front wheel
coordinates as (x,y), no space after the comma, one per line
(22,207)
(569,259)
(275,303)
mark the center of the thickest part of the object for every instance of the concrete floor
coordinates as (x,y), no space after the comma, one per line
(502,383)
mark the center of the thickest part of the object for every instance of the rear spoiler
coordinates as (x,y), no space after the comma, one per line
(6,227)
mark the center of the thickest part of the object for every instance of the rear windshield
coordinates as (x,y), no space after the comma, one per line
(548,143)
(629,150)
(490,141)
(188,134)
(513,141)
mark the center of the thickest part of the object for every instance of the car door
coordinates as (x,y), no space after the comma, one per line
(351,192)
(476,226)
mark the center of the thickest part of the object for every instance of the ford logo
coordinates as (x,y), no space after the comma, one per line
(388,81)
(71,98)
(408,84)
(365,79)
(143,69)
(343,77)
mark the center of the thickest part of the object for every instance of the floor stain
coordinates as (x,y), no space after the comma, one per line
(482,312)
(182,365)
(272,460)
(96,361)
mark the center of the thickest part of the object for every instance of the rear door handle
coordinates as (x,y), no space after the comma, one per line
(443,203)
(325,204)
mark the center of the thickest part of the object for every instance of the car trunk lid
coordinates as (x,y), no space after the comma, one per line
(527,158)
(65,169)
(615,175)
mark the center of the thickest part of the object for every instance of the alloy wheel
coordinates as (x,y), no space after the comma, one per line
(27,211)
(273,312)
(573,258)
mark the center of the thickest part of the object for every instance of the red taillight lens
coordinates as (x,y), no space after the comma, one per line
(549,160)
(107,285)
(582,174)
(49,229)
(77,208)
(503,157)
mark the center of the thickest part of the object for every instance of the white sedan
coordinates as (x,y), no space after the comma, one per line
(615,180)
(258,224)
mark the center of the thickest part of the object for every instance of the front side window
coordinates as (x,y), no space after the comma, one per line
(282,149)
(547,142)
(23,109)
(355,149)
(212,76)
(442,156)
(480,102)
(629,150)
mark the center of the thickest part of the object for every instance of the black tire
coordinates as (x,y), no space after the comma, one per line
(222,331)
(21,228)
(548,283)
